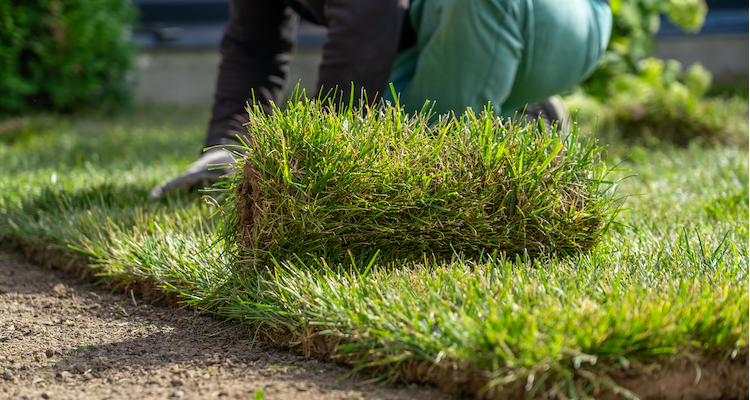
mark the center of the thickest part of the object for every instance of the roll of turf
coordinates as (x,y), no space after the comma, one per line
(315,183)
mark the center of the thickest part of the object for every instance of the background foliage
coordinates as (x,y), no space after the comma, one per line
(664,102)
(635,98)
(635,24)
(65,55)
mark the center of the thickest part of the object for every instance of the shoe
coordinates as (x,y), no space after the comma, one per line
(209,169)
(551,110)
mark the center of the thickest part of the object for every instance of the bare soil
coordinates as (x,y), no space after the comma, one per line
(65,339)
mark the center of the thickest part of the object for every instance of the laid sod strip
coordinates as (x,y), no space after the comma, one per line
(74,190)
(469,326)
(322,184)
(666,287)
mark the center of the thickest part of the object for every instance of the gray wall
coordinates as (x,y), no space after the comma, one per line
(725,56)
(187,77)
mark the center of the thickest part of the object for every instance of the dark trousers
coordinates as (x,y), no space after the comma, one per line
(256,52)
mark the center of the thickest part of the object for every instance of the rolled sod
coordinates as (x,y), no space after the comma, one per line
(352,184)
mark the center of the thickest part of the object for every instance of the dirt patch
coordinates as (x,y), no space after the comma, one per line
(63,339)
(714,379)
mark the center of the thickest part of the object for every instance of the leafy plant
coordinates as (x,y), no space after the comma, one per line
(635,24)
(633,97)
(64,55)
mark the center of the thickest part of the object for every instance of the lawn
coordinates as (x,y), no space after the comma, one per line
(667,284)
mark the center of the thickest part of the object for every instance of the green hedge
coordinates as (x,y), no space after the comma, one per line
(65,55)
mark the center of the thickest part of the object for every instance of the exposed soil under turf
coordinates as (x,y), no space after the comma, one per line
(64,339)
(61,338)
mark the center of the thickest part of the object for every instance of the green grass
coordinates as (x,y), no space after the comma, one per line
(667,283)
(327,185)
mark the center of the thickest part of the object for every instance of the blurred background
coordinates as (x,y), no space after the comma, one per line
(674,70)
(178,57)
(178,47)
(178,42)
